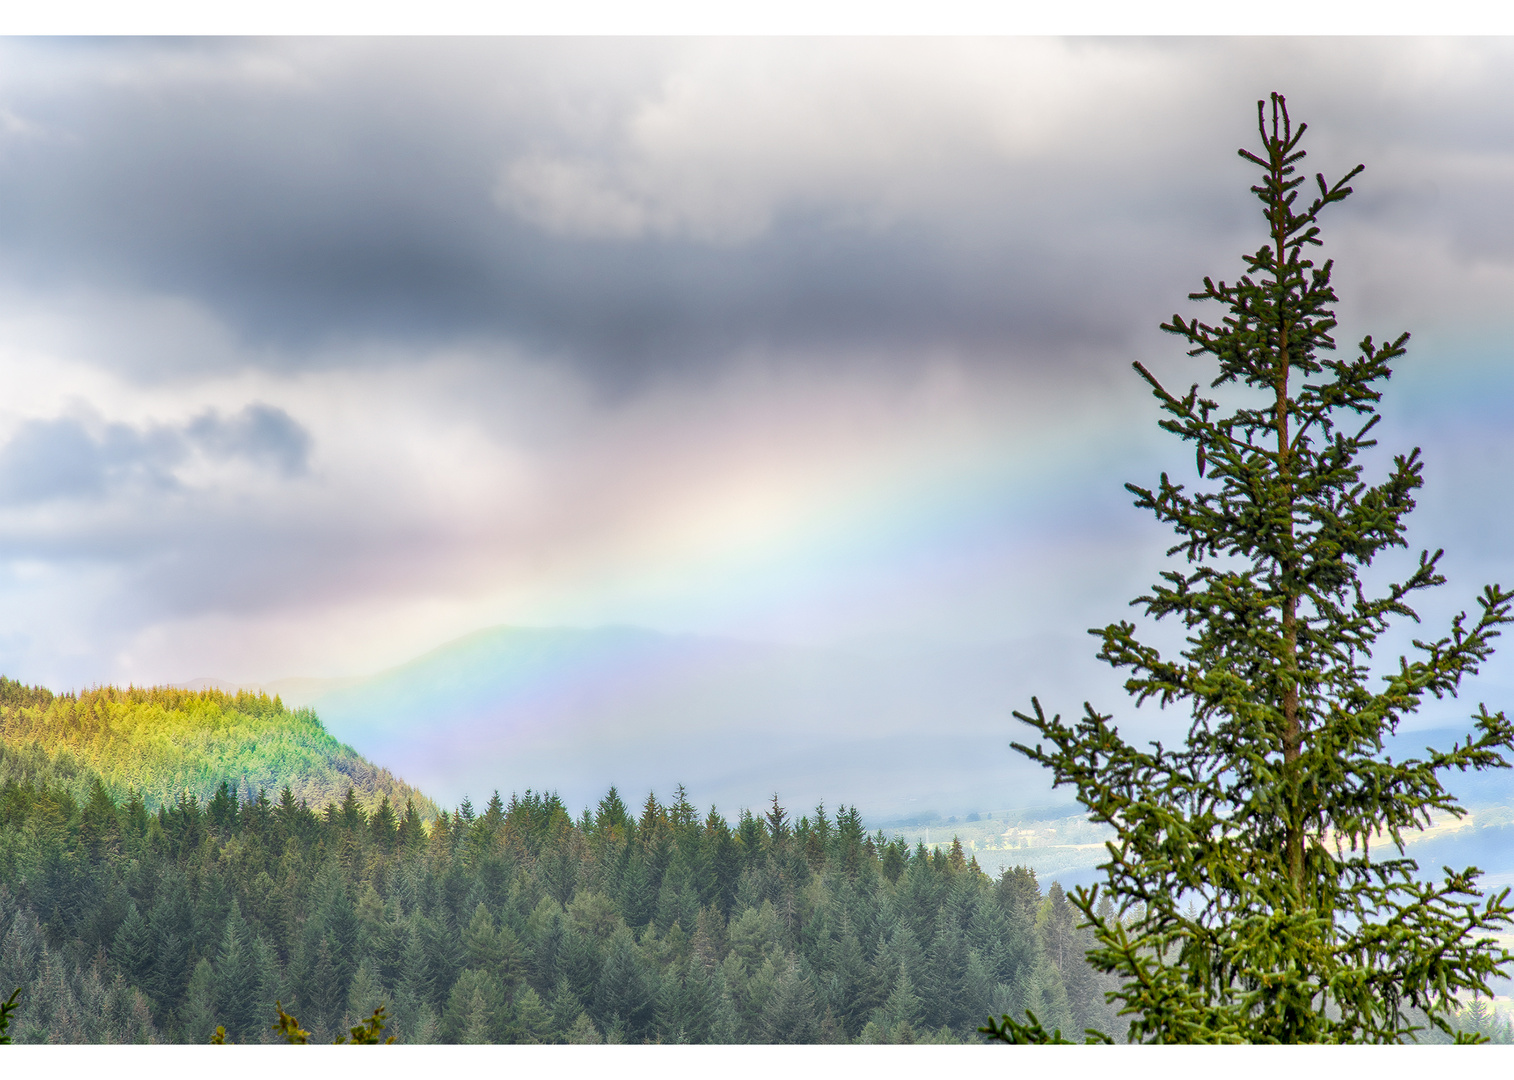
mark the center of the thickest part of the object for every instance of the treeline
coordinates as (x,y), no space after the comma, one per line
(161,742)
(514,924)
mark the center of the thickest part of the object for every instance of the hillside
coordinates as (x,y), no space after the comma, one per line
(163,742)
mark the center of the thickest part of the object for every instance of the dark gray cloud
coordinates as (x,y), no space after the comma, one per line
(434,191)
(62,459)
(68,458)
(260,433)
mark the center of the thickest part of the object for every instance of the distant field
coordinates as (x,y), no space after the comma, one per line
(1055,844)
(1066,847)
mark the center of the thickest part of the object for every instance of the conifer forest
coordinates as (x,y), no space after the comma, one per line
(515,922)
(747,414)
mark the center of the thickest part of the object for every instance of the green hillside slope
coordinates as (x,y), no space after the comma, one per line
(163,742)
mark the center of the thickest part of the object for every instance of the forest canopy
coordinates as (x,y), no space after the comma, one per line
(516,923)
(163,743)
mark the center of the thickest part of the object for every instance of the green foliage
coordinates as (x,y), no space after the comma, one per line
(1031,1032)
(367,1032)
(1249,905)
(6,1008)
(288,1027)
(163,743)
(509,926)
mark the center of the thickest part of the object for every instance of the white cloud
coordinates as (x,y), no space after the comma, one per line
(736,133)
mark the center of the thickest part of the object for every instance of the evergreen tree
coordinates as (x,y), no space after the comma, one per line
(725,1024)
(364,994)
(530,1019)
(549,937)
(777,820)
(476,1009)
(638,901)
(612,817)
(902,1007)
(789,1014)
(566,1006)
(943,978)
(170,961)
(239,1005)
(581,963)
(325,992)
(197,1016)
(583,1031)
(481,940)
(384,826)
(267,982)
(852,993)
(172,920)
(1266,917)
(478,1023)
(627,991)
(412,834)
(132,948)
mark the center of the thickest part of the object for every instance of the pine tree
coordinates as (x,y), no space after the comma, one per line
(267,981)
(777,819)
(638,901)
(384,826)
(581,963)
(1298,931)
(902,1007)
(239,1003)
(325,993)
(481,940)
(170,960)
(566,1006)
(849,997)
(197,1015)
(172,921)
(476,1010)
(530,1020)
(627,991)
(477,1023)
(412,834)
(364,995)
(725,1023)
(132,948)
(583,1031)
(789,1014)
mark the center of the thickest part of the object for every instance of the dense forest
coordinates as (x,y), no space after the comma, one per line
(161,743)
(128,919)
(516,923)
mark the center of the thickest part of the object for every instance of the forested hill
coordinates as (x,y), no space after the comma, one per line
(163,743)
(517,924)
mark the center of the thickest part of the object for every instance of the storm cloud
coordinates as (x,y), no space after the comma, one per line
(321,352)
(641,206)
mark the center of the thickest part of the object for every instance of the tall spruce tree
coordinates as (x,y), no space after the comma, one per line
(1258,869)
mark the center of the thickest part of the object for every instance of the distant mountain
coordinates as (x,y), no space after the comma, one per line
(165,741)
(575,711)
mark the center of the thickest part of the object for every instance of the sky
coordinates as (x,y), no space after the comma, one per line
(319,353)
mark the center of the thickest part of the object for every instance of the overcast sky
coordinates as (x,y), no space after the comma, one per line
(317,354)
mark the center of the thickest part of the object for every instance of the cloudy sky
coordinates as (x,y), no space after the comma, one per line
(317,354)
